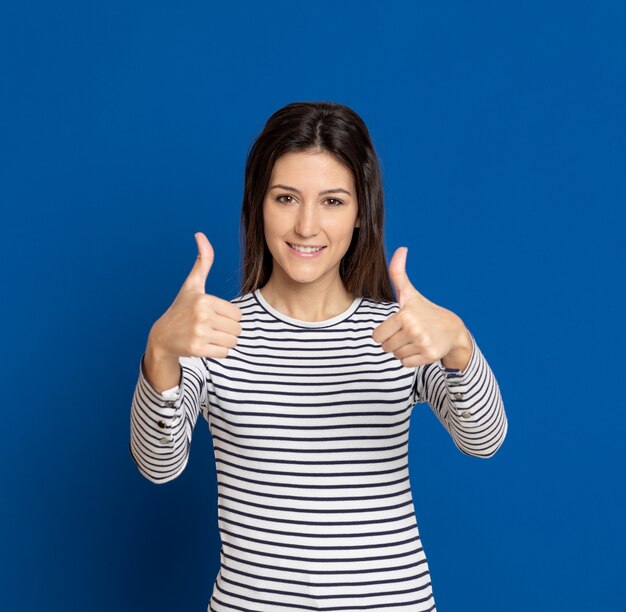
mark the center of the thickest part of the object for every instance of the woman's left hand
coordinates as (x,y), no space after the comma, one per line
(421,332)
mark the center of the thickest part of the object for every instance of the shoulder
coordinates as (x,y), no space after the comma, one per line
(377,309)
(247,302)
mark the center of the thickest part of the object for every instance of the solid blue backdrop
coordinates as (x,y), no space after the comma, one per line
(501,131)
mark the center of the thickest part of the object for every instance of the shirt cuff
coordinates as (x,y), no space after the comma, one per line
(165,408)
(171,394)
(460,382)
(455,373)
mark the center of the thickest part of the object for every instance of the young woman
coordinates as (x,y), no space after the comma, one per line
(307,380)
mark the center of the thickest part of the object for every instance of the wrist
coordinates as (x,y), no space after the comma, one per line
(464,342)
(155,352)
(459,356)
(161,370)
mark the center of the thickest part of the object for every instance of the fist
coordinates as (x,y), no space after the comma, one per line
(197,324)
(420,332)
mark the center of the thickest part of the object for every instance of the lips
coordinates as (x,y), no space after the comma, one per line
(307,246)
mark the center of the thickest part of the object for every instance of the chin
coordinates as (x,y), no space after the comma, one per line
(303,279)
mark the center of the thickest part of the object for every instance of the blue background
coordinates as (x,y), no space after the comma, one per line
(501,131)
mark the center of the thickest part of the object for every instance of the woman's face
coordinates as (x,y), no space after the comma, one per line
(310,202)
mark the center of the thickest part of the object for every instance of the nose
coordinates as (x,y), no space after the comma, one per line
(307,222)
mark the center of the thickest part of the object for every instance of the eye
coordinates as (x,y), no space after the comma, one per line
(334,201)
(339,202)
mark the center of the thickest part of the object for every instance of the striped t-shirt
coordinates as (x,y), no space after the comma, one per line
(310,428)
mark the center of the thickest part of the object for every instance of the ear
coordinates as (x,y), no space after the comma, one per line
(358,222)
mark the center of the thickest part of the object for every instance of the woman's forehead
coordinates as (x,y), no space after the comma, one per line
(309,169)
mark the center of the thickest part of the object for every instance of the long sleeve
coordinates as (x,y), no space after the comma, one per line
(161,424)
(468,404)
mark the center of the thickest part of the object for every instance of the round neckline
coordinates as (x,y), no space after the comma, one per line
(287,319)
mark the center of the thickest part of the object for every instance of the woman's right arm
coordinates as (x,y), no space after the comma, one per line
(172,386)
(161,422)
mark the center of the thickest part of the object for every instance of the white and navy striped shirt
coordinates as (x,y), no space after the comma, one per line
(310,427)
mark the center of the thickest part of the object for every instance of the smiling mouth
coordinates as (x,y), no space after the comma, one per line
(312,249)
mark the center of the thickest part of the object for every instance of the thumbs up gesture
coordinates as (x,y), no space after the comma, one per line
(196,323)
(420,332)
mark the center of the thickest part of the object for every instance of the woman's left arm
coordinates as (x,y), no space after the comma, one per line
(467,401)
(452,374)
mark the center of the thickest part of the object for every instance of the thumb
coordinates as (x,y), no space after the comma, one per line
(197,277)
(397,272)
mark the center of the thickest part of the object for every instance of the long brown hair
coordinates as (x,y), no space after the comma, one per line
(338,130)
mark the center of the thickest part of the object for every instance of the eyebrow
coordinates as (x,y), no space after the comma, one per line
(336,190)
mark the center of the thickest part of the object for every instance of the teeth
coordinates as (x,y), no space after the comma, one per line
(305,250)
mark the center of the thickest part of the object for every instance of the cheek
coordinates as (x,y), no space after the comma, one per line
(269,228)
(344,227)
(272,232)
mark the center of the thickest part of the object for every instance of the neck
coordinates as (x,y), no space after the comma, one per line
(308,302)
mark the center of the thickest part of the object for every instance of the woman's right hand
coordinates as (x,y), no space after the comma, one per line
(196,324)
